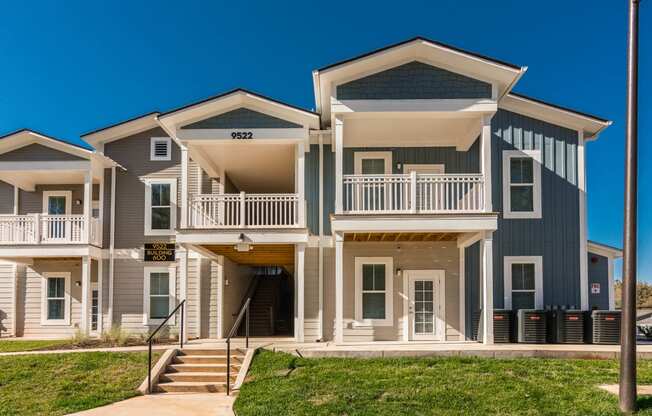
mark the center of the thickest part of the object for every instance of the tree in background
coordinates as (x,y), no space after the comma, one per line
(643,294)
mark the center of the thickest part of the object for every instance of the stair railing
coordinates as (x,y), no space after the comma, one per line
(150,340)
(244,312)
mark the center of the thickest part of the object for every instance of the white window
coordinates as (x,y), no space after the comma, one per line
(373,163)
(160,206)
(57,202)
(373,288)
(160,148)
(159,294)
(523,281)
(55,299)
(522,184)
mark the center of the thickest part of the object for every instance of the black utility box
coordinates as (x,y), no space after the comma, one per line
(502,326)
(603,327)
(531,326)
(566,326)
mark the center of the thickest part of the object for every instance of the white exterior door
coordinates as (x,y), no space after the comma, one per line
(426,318)
(429,195)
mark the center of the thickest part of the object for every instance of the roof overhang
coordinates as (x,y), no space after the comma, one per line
(592,126)
(26,137)
(501,75)
(121,130)
(604,250)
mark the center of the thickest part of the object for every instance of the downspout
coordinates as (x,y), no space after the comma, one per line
(321,236)
(111,247)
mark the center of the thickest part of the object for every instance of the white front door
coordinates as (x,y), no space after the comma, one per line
(426,318)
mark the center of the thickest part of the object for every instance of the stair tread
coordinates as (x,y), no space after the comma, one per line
(192,383)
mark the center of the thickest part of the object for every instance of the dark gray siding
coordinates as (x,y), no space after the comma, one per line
(36,153)
(454,161)
(329,187)
(598,273)
(414,80)
(32,202)
(312,189)
(556,235)
(106,224)
(6,198)
(242,118)
(472,302)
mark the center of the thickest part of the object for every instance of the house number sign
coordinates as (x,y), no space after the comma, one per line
(159,252)
(242,135)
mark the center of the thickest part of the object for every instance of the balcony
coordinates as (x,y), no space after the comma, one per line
(48,229)
(267,211)
(413,194)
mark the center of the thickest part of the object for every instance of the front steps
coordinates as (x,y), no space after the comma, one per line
(199,371)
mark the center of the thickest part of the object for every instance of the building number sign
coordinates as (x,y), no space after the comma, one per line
(242,135)
(159,252)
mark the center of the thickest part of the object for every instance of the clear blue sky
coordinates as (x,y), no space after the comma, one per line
(70,67)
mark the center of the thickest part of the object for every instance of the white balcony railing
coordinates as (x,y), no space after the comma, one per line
(47,229)
(246,211)
(413,193)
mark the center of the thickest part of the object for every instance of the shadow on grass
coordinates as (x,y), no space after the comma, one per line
(644,402)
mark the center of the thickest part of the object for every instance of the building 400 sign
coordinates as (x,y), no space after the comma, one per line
(159,252)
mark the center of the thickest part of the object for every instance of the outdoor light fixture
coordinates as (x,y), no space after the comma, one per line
(78,283)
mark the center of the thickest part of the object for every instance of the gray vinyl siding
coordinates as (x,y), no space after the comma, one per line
(208,296)
(193,298)
(555,236)
(214,293)
(329,187)
(472,290)
(31,202)
(242,118)
(7,272)
(414,80)
(312,189)
(598,273)
(37,153)
(6,198)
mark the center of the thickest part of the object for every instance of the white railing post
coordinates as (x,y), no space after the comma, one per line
(242,210)
(413,191)
(37,228)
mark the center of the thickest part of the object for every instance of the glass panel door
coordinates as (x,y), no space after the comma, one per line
(425,313)
(56,228)
(424,308)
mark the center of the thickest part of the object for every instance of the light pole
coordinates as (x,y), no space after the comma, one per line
(627,391)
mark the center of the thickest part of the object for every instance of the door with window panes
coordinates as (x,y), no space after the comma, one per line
(373,193)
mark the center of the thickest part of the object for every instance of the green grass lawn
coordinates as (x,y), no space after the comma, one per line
(281,384)
(32,345)
(57,384)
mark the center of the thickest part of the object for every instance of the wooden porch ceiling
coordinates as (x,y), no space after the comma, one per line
(400,236)
(258,255)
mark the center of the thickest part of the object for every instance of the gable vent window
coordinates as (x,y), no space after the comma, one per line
(160,148)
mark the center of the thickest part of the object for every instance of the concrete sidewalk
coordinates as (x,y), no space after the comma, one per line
(208,404)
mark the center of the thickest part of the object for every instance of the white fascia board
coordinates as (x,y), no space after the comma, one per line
(459,223)
(481,106)
(291,134)
(50,250)
(233,237)
(122,130)
(602,250)
(70,165)
(27,138)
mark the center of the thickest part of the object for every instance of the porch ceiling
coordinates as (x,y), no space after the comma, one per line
(258,255)
(401,236)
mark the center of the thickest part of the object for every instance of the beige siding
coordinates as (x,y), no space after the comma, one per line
(208,325)
(239,278)
(311,295)
(7,293)
(6,198)
(192,302)
(32,202)
(214,292)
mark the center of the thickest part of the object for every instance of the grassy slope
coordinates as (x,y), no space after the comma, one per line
(57,384)
(31,345)
(281,384)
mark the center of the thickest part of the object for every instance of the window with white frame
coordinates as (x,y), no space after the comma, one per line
(160,206)
(159,293)
(372,163)
(160,149)
(522,184)
(373,287)
(55,293)
(523,282)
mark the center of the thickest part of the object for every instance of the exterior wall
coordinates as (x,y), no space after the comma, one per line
(214,291)
(239,277)
(556,235)
(472,290)
(311,295)
(37,153)
(598,273)
(414,80)
(7,292)
(329,187)
(242,118)
(32,202)
(6,198)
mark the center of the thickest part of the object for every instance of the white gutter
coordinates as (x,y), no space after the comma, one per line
(111,248)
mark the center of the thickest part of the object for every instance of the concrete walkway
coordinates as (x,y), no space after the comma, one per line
(168,405)
(109,349)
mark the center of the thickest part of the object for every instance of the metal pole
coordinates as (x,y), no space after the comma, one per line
(247,325)
(183,305)
(149,367)
(628,329)
(228,366)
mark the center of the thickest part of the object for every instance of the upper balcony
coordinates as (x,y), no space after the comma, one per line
(48,229)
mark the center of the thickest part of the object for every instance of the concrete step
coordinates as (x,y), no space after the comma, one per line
(200,368)
(206,359)
(199,351)
(191,387)
(197,377)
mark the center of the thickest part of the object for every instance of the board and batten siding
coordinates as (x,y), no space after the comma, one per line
(312,188)
(7,294)
(242,118)
(472,289)
(598,271)
(555,236)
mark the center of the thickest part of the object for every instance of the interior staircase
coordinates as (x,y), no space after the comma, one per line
(262,305)
(199,371)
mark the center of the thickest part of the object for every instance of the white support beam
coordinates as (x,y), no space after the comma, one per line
(299,284)
(584,255)
(109,311)
(101,213)
(184,187)
(339,162)
(183,288)
(88,199)
(299,180)
(485,161)
(16,196)
(320,314)
(486,254)
(339,288)
(100,295)
(86,294)
(462,293)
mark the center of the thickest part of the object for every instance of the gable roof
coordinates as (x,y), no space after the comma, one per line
(33,133)
(122,129)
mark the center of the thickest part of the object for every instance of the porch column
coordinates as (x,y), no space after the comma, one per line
(88,199)
(16,202)
(339,145)
(183,289)
(300,292)
(299,182)
(485,162)
(86,294)
(486,255)
(100,294)
(339,288)
(184,187)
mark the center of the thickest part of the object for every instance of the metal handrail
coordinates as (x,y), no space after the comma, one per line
(244,311)
(151,337)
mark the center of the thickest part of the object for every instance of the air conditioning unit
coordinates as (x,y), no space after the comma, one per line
(566,326)
(604,327)
(532,324)
(502,326)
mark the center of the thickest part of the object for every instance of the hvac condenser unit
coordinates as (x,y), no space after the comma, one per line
(567,326)
(604,327)
(502,326)
(532,326)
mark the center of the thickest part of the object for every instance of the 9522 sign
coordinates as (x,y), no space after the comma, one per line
(242,135)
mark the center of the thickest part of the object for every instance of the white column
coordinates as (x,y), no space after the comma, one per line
(299,181)
(299,284)
(339,150)
(16,193)
(100,295)
(463,292)
(184,187)
(485,161)
(486,255)
(183,288)
(88,199)
(339,288)
(86,294)
(101,213)
(109,311)
(321,236)
(584,255)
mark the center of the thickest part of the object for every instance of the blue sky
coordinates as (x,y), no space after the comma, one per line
(70,67)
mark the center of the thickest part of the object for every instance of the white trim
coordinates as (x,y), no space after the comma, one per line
(48,194)
(339,288)
(360,156)
(14,297)
(148,206)
(152,149)
(581,185)
(320,271)
(435,107)
(603,250)
(411,223)
(535,155)
(172,283)
(44,299)
(420,167)
(111,248)
(486,161)
(462,275)
(538,278)
(338,148)
(439,282)
(486,258)
(16,197)
(71,165)
(388,262)
(300,290)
